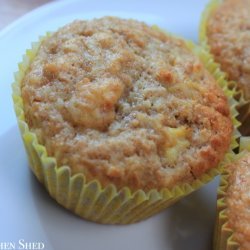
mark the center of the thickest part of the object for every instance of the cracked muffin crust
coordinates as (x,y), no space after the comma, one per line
(238,201)
(126,104)
(228,34)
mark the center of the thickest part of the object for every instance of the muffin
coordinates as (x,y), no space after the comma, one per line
(120,119)
(225,29)
(233,227)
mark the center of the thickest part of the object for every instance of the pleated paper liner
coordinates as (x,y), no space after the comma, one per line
(243,104)
(224,234)
(90,200)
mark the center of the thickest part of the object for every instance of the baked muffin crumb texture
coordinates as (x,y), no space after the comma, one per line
(131,104)
(238,201)
(228,33)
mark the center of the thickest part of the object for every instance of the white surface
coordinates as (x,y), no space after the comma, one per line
(26,210)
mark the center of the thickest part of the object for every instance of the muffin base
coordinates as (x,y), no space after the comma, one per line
(243,106)
(223,233)
(90,200)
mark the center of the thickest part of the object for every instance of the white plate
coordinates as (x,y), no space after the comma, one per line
(27,213)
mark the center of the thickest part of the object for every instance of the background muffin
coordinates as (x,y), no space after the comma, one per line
(227,35)
(126,107)
(233,230)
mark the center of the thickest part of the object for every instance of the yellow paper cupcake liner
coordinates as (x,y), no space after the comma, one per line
(243,106)
(90,200)
(224,234)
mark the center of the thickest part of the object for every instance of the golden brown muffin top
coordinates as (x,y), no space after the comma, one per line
(238,201)
(228,33)
(127,104)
